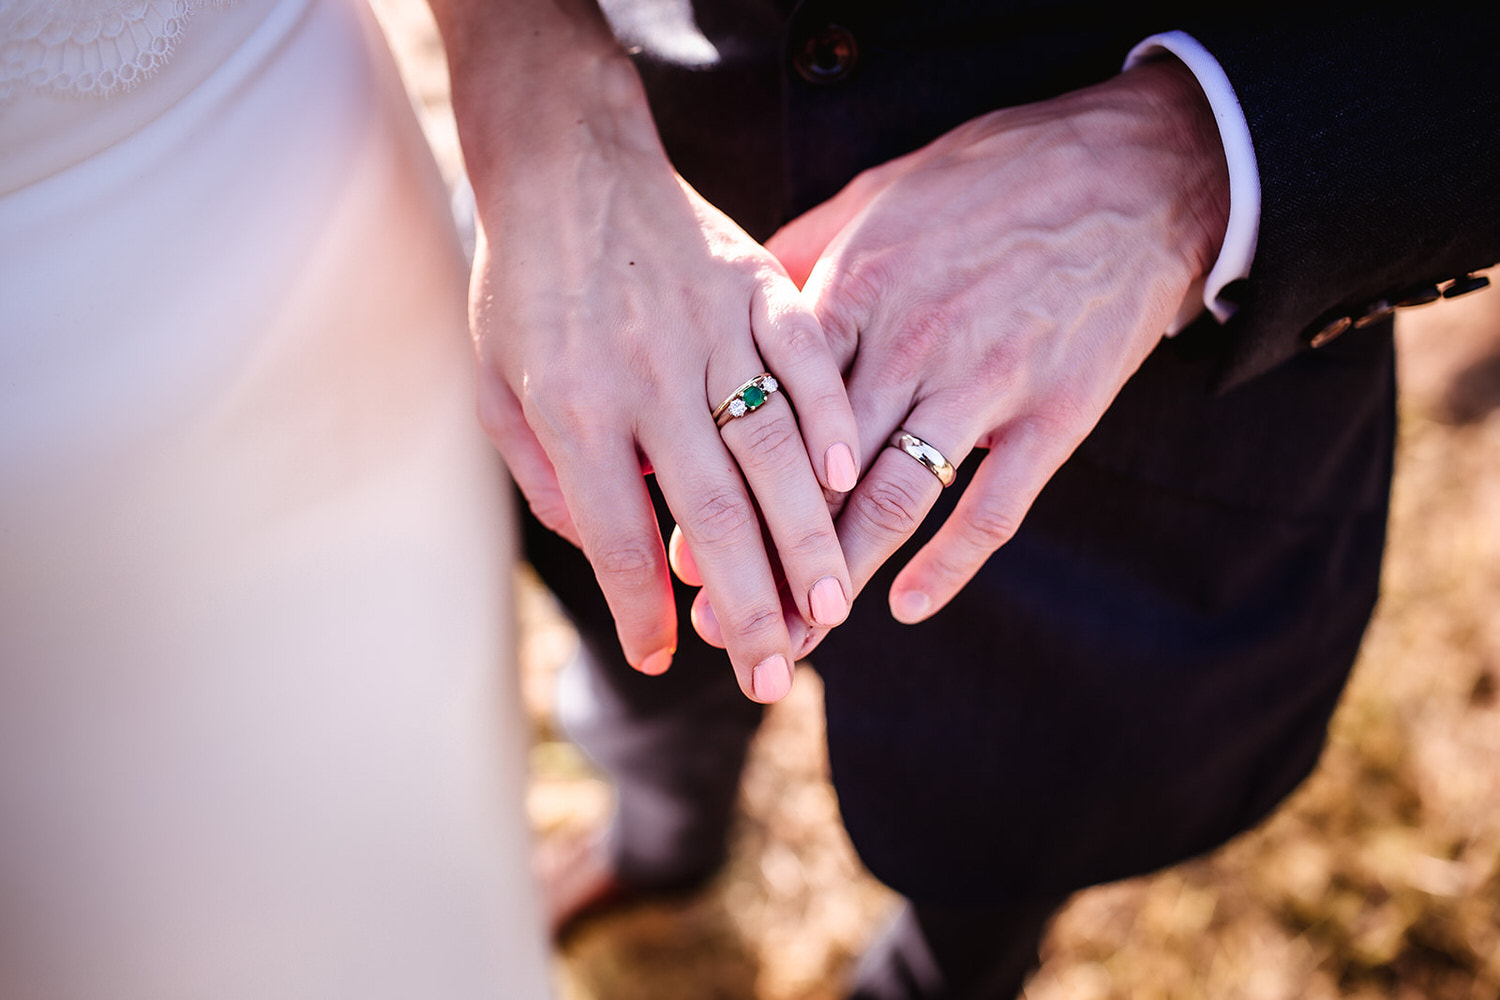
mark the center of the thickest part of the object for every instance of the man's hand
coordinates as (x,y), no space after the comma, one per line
(995,289)
(612,309)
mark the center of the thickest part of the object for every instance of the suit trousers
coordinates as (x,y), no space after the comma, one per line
(1146,669)
(1143,672)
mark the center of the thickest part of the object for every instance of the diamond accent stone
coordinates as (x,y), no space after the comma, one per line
(737,408)
(769,384)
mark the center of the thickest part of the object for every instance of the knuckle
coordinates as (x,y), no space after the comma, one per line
(1000,366)
(867,280)
(719,516)
(1060,415)
(990,525)
(776,439)
(754,621)
(808,543)
(801,340)
(828,400)
(564,409)
(893,507)
(869,181)
(550,509)
(949,567)
(925,336)
(625,564)
(561,423)
(698,309)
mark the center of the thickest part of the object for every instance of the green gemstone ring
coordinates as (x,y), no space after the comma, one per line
(746,399)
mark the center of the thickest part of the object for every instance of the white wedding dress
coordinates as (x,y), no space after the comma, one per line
(259,731)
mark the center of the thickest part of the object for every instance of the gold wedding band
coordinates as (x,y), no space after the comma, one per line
(746,399)
(924,453)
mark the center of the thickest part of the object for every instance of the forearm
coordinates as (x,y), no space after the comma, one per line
(541,83)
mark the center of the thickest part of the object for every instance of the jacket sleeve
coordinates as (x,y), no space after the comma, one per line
(1377,139)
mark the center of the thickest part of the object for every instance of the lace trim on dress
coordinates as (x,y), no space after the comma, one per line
(88,48)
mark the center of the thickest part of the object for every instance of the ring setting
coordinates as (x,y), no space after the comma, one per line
(925,453)
(748,398)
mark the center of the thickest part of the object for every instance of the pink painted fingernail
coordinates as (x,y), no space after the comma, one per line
(657,662)
(771,679)
(829,605)
(910,606)
(707,624)
(842,473)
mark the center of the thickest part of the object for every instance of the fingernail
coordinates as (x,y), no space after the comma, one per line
(910,606)
(771,679)
(681,558)
(839,461)
(707,623)
(657,662)
(808,642)
(829,605)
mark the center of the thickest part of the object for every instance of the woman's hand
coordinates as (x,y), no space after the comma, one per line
(613,309)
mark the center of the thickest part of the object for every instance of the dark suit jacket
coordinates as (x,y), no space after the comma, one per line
(1149,666)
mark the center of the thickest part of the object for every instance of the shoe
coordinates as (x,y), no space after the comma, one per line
(580,883)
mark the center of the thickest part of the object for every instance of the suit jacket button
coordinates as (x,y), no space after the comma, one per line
(1331,331)
(1419,295)
(1463,286)
(1379,310)
(827,55)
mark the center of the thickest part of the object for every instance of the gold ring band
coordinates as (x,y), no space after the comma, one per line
(925,453)
(748,398)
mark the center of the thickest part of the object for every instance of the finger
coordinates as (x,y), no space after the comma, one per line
(719,524)
(618,530)
(805,637)
(883,512)
(791,342)
(892,501)
(987,516)
(500,416)
(705,622)
(769,449)
(681,559)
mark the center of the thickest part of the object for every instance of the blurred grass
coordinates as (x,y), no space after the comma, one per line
(1379,878)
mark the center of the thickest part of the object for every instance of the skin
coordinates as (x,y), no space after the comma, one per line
(992,290)
(995,289)
(612,308)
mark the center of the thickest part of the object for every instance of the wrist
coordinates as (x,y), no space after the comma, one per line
(1200,171)
(536,85)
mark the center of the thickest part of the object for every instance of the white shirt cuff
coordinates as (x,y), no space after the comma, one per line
(1244,176)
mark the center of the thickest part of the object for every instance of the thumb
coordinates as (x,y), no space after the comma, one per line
(799,243)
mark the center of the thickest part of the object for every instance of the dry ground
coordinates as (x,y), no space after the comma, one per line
(1380,878)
